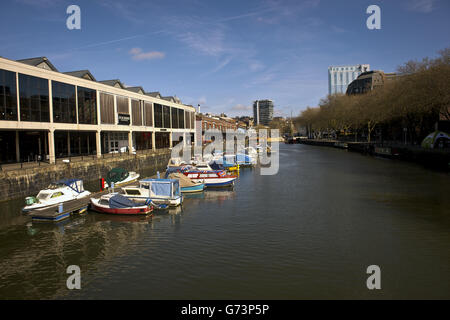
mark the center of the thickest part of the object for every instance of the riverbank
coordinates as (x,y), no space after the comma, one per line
(430,158)
(22,182)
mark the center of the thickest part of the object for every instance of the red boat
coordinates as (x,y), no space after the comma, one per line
(114,203)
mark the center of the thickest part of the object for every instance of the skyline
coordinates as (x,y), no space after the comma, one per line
(225,56)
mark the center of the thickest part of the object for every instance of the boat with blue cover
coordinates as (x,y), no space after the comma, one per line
(114,203)
(157,191)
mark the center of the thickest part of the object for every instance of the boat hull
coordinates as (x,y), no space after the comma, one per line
(174,202)
(38,206)
(197,188)
(216,183)
(142,210)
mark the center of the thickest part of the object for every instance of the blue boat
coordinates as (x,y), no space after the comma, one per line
(187,186)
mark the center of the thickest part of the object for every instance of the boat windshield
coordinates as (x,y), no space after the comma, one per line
(42,195)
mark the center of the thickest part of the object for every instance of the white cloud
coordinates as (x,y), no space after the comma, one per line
(138,55)
(424,6)
(241,107)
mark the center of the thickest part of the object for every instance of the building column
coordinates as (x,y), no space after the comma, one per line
(98,143)
(17,147)
(51,146)
(68,143)
(130,141)
(170,139)
(154,140)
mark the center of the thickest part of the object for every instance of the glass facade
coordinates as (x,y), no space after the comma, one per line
(340,77)
(34,99)
(174,112)
(148,107)
(64,102)
(166,117)
(87,106)
(181,118)
(8,95)
(158,115)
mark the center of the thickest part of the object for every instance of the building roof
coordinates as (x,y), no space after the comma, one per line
(169,98)
(155,94)
(113,83)
(137,89)
(41,62)
(84,74)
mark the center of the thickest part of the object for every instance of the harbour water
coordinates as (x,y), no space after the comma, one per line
(309,232)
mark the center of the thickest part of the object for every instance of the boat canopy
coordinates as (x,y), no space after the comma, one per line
(74,184)
(116,175)
(163,187)
(120,202)
(176,169)
(216,166)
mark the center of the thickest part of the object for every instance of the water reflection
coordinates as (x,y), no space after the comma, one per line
(308,232)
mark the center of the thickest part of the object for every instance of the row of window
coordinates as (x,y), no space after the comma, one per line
(343,69)
(35,106)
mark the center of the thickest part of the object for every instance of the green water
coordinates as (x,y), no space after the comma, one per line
(308,232)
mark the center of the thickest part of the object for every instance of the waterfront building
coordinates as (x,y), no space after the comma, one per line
(367,81)
(339,77)
(212,122)
(262,112)
(46,114)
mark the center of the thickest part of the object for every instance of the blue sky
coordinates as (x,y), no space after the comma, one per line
(225,54)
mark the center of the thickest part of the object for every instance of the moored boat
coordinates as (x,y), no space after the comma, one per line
(215,178)
(120,177)
(187,185)
(58,192)
(157,191)
(114,203)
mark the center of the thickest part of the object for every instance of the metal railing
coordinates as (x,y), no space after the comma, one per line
(79,158)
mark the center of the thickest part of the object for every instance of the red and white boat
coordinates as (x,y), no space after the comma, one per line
(114,203)
(211,178)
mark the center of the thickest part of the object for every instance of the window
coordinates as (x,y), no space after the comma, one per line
(64,105)
(106,108)
(181,118)
(136,112)
(34,104)
(57,194)
(174,112)
(122,105)
(158,115)
(148,114)
(87,106)
(166,117)
(8,95)
(188,119)
(133,192)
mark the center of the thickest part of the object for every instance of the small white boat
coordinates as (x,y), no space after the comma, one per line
(214,178)
(56,193)
(157,191)
(203,166)
(120,177)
